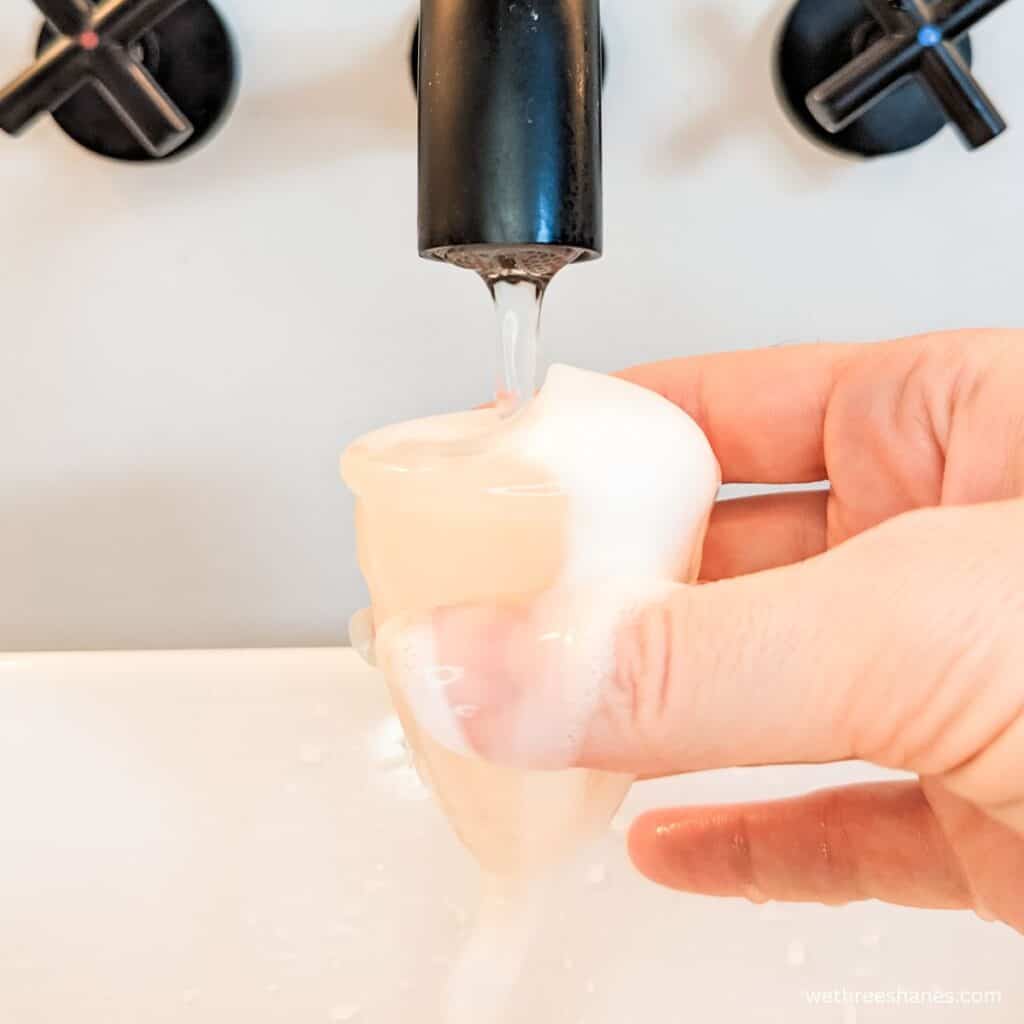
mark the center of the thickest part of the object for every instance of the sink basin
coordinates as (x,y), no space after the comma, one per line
(239,836)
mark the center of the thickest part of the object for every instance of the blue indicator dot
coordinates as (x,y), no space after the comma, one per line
(930,35)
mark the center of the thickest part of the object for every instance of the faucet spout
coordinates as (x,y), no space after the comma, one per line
(510,134)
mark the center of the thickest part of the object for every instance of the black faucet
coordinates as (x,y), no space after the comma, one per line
(510,134)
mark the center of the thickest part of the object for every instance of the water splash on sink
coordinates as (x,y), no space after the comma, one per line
(391,754)
(389,747)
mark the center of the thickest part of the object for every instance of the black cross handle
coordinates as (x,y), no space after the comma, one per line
(93,45)
(917,38)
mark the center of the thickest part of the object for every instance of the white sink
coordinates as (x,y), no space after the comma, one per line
(238,836)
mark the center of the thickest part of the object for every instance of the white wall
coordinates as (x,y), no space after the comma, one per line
(186,348)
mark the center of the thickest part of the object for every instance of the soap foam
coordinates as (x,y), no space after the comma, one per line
(413,662)
(640,478)
(639,472)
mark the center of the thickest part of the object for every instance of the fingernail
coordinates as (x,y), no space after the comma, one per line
(511,685)
(475,680)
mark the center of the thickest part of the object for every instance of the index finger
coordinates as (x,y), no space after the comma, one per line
(763,410)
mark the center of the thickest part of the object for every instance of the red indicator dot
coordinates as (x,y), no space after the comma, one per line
(89,40)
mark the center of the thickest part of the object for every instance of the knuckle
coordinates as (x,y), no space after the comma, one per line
(646,687)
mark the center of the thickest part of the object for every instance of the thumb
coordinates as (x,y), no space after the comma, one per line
(866,651)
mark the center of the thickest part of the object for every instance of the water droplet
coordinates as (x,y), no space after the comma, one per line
(379,867)
(590,987)
(567,963)
(796,953)
(311,753)
(597,875)
(344,1012)
(189,996)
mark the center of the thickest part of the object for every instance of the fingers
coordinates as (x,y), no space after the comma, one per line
(866,651)
(642,681)
(762,410)
(878,841)
(639,680)
(753,670)
(895,647)
(749,535)
(517,685)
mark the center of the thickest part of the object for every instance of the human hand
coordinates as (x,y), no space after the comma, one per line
(882,619)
